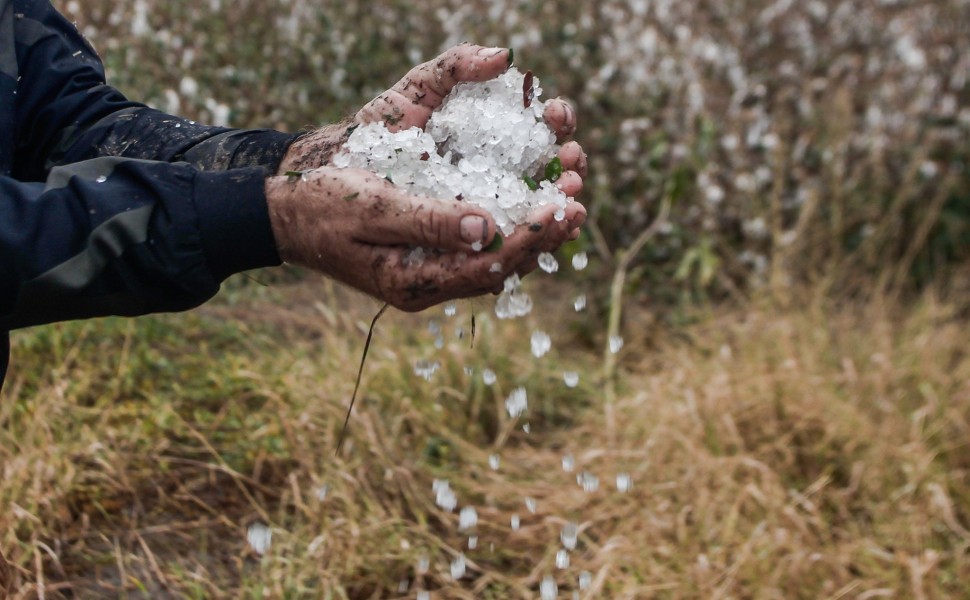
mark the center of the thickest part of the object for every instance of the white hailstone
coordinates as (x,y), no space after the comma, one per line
(494,461)
(488,377)
(562,559)
(476,147)
(458,567)
(467,518)
(321,492)
(571,378)
(472,542)
(426,368)
(616,342)
(585,580)
(414,258)
(512,302)
(526,428)
(530,504)
(424,595)
(439,343)
(568,463)
(541,343)
(580,260)
(424,563)
(260,537)
(444,496)
(450,309)
(517,402)
(548,589)
(588,481)
(402,587)
(515,522)
(469,371)
(495,268)
(548,262)
(623,482)
(579,304)
(569,535)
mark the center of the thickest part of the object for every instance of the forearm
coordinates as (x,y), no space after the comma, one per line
(126,237)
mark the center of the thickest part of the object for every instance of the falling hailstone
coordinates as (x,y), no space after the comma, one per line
(541,343)
(588,481)
(562,559)
(548,263)
(585,580)
(530,504)
(548,588)
(580,260)
(426,368)
(260,537)
(571,378)
(424,595)
(568,463)
(515,522)
(623,482)
(579,304)
(512,302)
(467,518)
(472,542)
(616,342)
(494,461)
(569,536)
(402,587)
(458,567)
(488,377)
(450,309)
(444,496)
(526,428)
(321,492)
(517,402)
(424,563)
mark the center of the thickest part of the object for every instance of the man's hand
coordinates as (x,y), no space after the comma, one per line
(358,228)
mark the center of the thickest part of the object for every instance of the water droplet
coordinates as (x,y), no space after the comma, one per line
(580,260)
(579,304)
(548,262)
(488,377)
(569,535)
(571,378)
(562,559)
(467,518)
(515,522)
(616,342)
(568,463)
(260,537)
(458,567)
(548,588)
(494,461)
(102,178)
(623,482)
(541,343)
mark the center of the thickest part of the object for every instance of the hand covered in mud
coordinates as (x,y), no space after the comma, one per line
(358,228)
(410,102)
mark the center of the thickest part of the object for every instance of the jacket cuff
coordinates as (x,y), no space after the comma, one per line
(262,147)
(234,221)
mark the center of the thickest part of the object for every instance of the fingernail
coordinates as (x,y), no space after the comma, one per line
(474,229)
(490,52)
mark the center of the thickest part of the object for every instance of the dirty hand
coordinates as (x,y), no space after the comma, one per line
(410,102)
(358,228)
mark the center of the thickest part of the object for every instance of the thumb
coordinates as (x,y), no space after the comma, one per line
(432,223)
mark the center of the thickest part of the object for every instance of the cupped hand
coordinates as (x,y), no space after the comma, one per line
(360,229)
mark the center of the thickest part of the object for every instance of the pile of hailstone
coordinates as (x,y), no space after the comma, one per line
(483,145)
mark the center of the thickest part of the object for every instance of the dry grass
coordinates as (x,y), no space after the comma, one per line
(774,454)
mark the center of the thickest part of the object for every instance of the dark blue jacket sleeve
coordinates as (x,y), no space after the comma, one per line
(108,206)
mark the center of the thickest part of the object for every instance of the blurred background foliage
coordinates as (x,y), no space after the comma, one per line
(820,142)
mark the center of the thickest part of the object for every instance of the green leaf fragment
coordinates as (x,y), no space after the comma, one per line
(496,244)
(530,182)
(554,170)
(353,196)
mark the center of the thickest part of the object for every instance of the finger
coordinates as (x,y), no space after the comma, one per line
(399,218)
(570,183)
(560,117)
(574,159)
(419,92)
